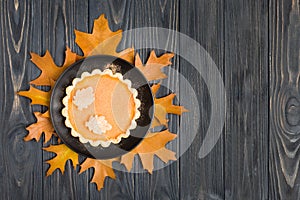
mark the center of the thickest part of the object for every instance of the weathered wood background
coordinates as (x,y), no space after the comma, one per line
(254,43)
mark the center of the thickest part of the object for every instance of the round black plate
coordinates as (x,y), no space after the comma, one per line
(128,71)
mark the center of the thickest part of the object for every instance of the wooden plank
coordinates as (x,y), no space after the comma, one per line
(240,161)
(162,183)
(59,19)
(20,166)
(114,11)
(284,41)
(202,178)
(246,81)
(127,15)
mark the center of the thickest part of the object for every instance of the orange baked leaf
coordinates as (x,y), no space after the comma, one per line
(164,106)
(43,125)
(63,154)
(49,70)
(152,70)
(102,41)
(153,144)
(102,169)
(37,96)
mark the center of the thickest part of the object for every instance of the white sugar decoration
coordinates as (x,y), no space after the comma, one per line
(98,124)
(84,97)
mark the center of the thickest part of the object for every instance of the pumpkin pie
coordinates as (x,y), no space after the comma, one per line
(101,107)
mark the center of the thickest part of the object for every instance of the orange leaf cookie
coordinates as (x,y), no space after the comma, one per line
(152,68)
(102,41)
(163,106)
(102,169)
(153,144)
(43,125)
(50,71)
(63,154)
(37,96)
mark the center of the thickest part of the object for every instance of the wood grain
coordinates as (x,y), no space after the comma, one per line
(246,82)
(123,186)
(254,43)
(202,178)
(126,15)
(284,99)
(163,183)
(17,163)
(59,19)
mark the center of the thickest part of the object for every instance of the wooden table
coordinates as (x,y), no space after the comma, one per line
(255,45)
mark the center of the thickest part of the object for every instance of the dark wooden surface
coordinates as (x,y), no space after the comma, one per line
(256,47)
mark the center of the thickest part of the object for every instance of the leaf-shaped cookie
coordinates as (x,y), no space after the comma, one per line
(102,41)
(152,68)
(102,169)
(43,125)
(50,71)
(37,96)
(63,154)
(163,106)
(153,144)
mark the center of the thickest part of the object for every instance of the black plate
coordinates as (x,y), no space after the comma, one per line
(139,82)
